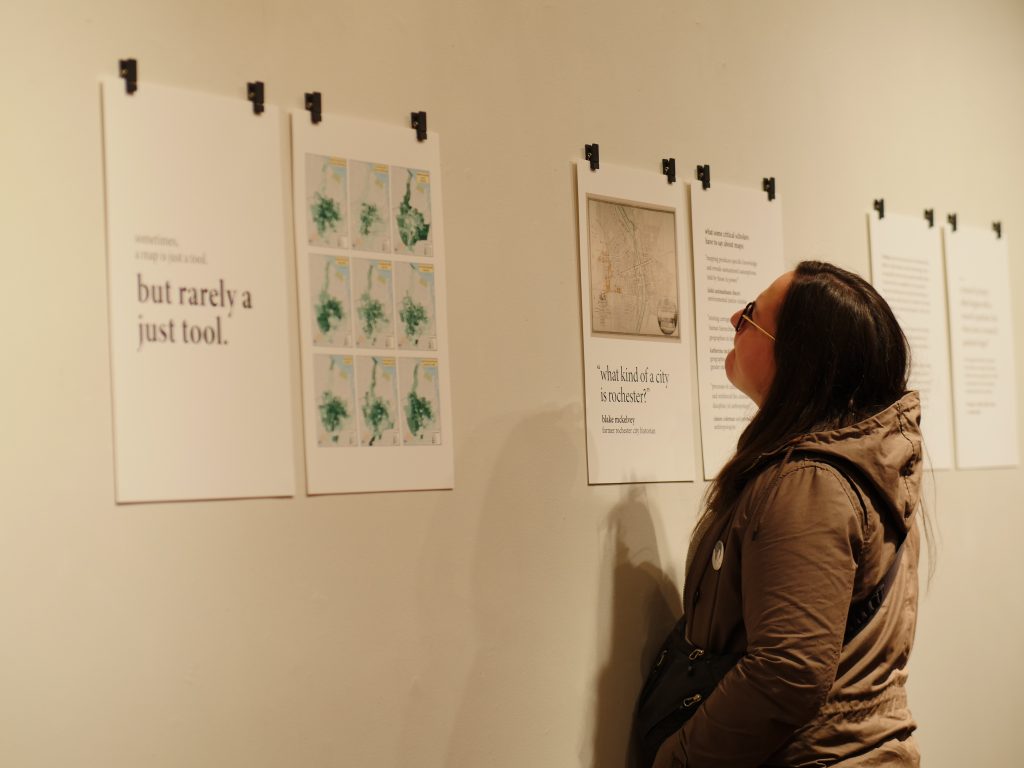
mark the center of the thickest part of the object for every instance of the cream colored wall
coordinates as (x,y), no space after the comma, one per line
(499,624)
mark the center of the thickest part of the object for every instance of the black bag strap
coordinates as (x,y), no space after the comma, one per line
(864,610)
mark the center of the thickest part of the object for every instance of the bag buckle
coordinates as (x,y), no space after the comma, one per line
(690,701)
(695,654)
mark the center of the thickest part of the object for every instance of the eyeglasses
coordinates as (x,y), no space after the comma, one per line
(745,317)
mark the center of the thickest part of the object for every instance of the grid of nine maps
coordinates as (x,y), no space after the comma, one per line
(372,303)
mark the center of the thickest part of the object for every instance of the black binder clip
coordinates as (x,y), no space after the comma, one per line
(879,206)
(997,226)
(668,167)
(951,218)
(592,152)
(254,93)
(314,103)
(129,70)
(929,214)
(418,120)
(704,175)
(768,185)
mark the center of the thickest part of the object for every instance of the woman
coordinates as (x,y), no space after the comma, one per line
(808,517)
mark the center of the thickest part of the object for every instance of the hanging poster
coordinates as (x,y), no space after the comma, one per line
(907,270)
(197,296)
(636,336)
(981,341)
(737,253)
(375,358)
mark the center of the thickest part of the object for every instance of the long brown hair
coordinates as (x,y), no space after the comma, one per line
(840,356)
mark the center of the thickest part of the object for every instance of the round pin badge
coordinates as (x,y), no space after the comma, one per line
(718,555)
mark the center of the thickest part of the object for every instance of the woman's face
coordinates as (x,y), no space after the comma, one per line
(750,365)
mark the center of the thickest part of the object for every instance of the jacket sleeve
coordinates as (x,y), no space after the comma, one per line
(798,562)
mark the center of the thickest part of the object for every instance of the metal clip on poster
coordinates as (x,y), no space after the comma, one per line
(768,185)
(997,226)
(929,214)
(951,218)
(592,152)
(418,120)
(129,70)
(879,206)
(314,103)
(254,93)
(668,167)
(704,176)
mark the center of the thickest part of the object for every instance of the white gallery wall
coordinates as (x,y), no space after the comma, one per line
(502,623)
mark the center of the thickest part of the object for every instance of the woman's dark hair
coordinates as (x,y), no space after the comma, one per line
(840,356)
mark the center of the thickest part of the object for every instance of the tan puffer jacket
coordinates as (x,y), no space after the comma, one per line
(804,541)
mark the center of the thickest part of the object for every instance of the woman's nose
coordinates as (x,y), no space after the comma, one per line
(735,317)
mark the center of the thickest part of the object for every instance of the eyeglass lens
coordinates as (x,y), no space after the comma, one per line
(744,316)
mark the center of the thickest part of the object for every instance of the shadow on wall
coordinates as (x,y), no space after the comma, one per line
(643,605)
(531,681)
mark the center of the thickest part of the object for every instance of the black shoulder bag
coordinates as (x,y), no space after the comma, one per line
(683,676)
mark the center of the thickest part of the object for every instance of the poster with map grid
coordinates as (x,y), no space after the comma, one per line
(369,245)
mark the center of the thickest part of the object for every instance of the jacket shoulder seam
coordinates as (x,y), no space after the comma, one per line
(843,480)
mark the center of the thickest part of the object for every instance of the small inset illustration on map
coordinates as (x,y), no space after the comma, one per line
(634,280)
(373,295)
(331,300)
(420,400)
(414,299)
(378,401)
(410,208)
(334,381)
(327,216)
(369,206)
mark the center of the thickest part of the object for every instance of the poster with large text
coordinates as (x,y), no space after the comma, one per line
(981,342)
(636,336)
(737,253)
(369,239)
(197,296)
(907,270)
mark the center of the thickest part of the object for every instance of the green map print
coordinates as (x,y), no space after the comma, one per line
(414,292)
(420,398)
(331,300)
(327,201)
(375,308)
(368,206)
(377,403)
(334,384)
(410,205)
